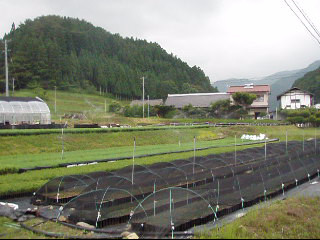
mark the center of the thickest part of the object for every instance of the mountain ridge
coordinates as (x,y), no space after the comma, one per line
(71,53)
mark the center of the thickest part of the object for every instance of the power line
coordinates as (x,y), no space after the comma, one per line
(306,17)
(302,22)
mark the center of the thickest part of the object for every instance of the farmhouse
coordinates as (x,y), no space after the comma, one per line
(295,98)
(261,104)
(18,110)
(200,100)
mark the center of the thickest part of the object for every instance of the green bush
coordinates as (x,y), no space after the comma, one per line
(307,115)
(163,111)
(297,120)
(137,111)
(114,107)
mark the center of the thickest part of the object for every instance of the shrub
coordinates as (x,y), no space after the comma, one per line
(137,111)
(297,120)
(162,110)
(114,107)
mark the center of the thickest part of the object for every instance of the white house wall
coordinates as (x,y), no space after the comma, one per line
(296,100)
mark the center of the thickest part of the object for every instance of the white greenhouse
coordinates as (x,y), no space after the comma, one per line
(22,110)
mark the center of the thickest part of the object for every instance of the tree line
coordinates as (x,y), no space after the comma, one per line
(310,83)
(73,54)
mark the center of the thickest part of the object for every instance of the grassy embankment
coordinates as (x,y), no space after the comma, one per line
(11,230)
(293,218)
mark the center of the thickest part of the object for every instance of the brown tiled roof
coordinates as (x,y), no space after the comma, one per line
(247,88)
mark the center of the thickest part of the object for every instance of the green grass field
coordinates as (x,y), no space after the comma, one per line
(41,150)
(45,150)
(294,218)
(14,162)
(31,181)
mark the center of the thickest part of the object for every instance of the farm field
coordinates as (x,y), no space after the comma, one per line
(53,159)
(42,150)
(36,148)
(32,181)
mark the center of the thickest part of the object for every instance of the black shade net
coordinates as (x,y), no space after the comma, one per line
(164,198)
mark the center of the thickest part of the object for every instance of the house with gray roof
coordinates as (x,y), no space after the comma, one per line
(199,100)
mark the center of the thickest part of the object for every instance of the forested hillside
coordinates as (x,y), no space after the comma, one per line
(311,83)
(72,53)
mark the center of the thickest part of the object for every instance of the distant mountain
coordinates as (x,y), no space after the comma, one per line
(280,82)
(71,53)
(311,83)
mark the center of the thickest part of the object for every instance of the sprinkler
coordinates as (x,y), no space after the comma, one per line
(242,203)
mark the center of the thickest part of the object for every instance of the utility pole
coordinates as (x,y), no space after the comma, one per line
(13,86)
(55,99)
(6,65)
(143,96)
(148,106)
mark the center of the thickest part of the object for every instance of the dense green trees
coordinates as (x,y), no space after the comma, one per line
(311,83)
(303,116)
(72,53)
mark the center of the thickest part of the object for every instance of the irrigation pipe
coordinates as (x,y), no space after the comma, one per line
(75,164)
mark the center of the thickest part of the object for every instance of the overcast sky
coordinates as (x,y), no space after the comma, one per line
(226,38)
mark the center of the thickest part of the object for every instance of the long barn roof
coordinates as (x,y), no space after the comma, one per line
(203,100)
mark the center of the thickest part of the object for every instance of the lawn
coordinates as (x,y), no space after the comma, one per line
(294,218)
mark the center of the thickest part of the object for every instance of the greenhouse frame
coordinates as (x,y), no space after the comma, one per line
(168,198)
(23,110)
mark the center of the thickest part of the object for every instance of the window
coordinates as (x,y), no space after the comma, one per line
(295,100)
(260,98)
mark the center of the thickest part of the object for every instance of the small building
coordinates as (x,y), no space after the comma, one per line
(23,110)
(153,102)
(199,100)
(295,98)
(261,105)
